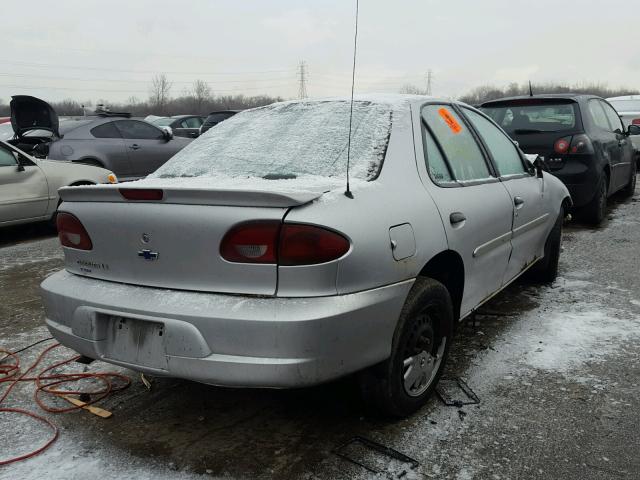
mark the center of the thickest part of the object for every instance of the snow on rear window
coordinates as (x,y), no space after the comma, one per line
(289,140)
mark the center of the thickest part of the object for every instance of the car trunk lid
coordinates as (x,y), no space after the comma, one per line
(173,242)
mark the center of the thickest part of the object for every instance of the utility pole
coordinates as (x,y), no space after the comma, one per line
(429,82)
(302,78)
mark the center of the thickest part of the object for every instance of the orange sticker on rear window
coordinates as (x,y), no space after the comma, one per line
(450,120)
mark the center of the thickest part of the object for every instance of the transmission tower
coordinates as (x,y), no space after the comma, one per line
(302,78)
(429,82)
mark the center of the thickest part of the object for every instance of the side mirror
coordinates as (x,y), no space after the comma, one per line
(633,130)
(540,167)
(20,167)
(168,133)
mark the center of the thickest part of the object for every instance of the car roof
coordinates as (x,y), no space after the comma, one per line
(545,96)
(182,116)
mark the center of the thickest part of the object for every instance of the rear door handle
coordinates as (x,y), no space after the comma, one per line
(518,202)
(456,218)
(135,146)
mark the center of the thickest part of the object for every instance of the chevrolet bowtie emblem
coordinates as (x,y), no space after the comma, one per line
(148,255)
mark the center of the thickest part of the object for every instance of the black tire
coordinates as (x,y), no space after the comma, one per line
(630,189)
(596,209)
(424,333)
(546,269)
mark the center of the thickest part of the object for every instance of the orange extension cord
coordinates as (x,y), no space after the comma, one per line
(49,383)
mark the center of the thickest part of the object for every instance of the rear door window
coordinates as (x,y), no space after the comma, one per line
(106,130)
(133,129)
(612,115)
(436,164)
(598,115)
(192,122)
(504,152)
(457,142)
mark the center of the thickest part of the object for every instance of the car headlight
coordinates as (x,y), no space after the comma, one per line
(111,178)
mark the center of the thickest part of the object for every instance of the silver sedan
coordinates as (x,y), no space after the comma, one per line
(248,260)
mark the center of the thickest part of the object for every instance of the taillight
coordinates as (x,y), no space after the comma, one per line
(148,194)
(562,145)
(251,242)
(635,121)
(309,245)
(72,233)
(284,244)
(581,144)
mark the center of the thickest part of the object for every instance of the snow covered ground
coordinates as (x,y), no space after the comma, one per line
(556,368)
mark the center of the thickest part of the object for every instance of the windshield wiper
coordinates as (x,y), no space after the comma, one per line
(280,176)
(522,131)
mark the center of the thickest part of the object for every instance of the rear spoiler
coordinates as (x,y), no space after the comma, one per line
(191,196)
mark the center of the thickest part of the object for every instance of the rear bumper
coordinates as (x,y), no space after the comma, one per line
(581,177)
(224,339)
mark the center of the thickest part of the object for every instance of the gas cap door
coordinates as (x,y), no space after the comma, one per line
(403,241)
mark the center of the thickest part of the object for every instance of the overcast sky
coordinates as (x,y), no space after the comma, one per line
(110,49)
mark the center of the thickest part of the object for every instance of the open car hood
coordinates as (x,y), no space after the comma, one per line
(31,113)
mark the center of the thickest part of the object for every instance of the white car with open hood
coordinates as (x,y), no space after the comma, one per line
(244,262)
(29,186)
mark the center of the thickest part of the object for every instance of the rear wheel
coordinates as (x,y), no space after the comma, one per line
(546,269)
(596,209)
(630,189)
(403,383)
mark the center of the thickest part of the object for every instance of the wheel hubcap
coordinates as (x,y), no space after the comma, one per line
(422,358)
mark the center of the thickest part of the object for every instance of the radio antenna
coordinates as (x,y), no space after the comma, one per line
(348,193)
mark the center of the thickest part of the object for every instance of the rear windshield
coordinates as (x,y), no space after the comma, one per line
(289,140)
(626,105)
(163,122)
(215,118)
(533,118)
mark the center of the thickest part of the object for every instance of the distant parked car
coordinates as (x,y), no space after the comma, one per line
(5,119)
(628,107)
(244,262)
(131,148)
(181,125)
(29,186)
(215,118)
(580,138)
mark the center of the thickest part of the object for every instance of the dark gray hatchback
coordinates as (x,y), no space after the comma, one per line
(580,138)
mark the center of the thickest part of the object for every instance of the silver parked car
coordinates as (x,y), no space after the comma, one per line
(29,186)
(129,147)
(628,107)
(244,262)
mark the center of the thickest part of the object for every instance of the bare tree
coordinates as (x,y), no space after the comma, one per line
(412,90)
(159,93)
(201,94)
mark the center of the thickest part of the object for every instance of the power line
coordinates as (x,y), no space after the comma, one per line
(42,87)
(302,87)
(105,69)
(78,79)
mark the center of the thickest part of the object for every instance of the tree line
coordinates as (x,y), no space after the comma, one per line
(197,100)
(201,100)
